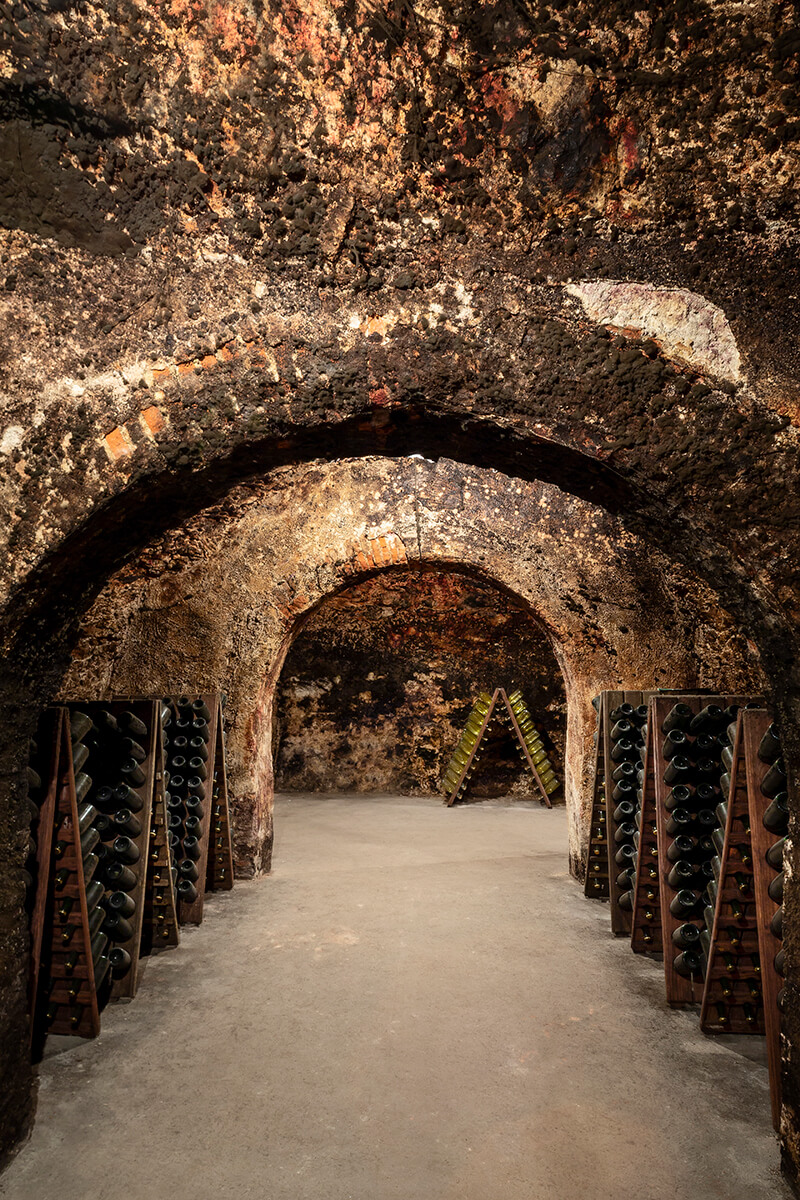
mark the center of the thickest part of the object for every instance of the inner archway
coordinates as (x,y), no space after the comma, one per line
(380,679)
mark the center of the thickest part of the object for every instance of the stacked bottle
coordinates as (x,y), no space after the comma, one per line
(186,753)
(460,768)
(120,748)
(628,724)
(776,821)
(76,851)
(533,743)
(692,763)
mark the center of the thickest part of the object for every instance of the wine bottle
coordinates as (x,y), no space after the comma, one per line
(188,870)
(706,794)
(776,924)
(90,865)
(624,832)
(776,817)
(769,748)
(623,728)
(120,961)
(678,797)
(743,882)
(118,928)
(706,745)
(684,903)
(678,717)
(194,827)
(199,727)
(177,784)
(120,877)
(134,775)
(106,721)
(722,813)
(133,749)
(774,782)
(640,714)
(706,819)
(775,888)
(126,850)
(780,962)
(177,764)
(725,784)
(200,710)
(624,749)
(680,821)
(774,855)
(126,797)
(80,753)
(687,964)
(707,771)
(625,808)
(187,892)
(133,726)
(79,725)
(682,875)
(122,903)
(682,847)
(194,807)
(94,893)
(126,822)
(86,815)
(104,798)
(89,839)
(676,742)
(198,746)
(625,901)
(708,720)
(64,908)
(679,770)
(192,848)
(195,784)
(726,757)
(626,879)
(106,829)
(83,785)
(625,770)
(686,936)
(98,945)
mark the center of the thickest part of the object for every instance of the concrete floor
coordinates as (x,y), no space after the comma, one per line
(419,1004)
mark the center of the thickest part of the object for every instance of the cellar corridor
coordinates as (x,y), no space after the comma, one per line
(418,1003)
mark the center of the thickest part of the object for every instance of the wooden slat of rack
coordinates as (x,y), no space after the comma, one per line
(219,874)
(755,723)
(597,865)
(720,977)
(50,732)
(79,1015)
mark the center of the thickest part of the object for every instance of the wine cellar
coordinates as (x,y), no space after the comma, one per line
(400,599)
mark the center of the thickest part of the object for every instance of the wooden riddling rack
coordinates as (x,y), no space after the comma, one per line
(499,709)
(743,971)
(102,877)
(704,770)
(610,838)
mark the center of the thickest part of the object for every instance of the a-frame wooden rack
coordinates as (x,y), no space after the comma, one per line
(499,708)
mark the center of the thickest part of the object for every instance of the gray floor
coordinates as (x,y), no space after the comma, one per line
(419,1004)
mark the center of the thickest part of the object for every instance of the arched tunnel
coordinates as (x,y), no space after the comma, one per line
(362,358)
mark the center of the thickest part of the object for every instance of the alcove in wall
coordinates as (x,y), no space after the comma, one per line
(381,677)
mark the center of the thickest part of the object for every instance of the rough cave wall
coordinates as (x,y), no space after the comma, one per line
(226,223)
(381,678)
